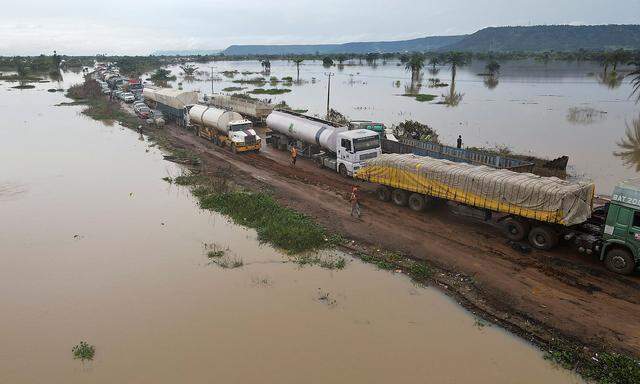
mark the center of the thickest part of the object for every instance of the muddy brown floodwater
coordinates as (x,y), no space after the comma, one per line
(95,246)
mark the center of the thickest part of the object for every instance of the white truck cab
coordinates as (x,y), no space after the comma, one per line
(354,148)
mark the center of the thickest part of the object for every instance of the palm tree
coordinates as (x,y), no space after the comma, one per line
(415,65)
(297,61)
(618,56)
(630,145)
(456,60)
(635,81)
(434,61)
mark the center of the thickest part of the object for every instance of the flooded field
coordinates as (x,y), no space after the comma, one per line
(95,246)
(548,110)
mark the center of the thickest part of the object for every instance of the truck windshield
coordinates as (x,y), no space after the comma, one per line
(365,143)
(240,127)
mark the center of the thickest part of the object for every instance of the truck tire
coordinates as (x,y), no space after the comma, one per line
(400,197)
(619,260)
(515,229)
(343,170)
(383,193)
(543,237)
(417,202)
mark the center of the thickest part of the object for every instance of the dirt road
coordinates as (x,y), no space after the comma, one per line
(537,294)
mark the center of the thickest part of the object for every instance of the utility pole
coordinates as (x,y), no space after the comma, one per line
(211,81)
(329,74)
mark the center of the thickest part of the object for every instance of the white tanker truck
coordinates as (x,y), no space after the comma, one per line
(224,128)
(331,145)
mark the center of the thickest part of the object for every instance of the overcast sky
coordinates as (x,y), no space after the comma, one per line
(74,27)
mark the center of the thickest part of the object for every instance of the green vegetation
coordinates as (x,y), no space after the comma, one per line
(232,89)
(83,351)
(602,367)
(271,91)
(230,74)
(215,254)
(259,81)
(327,262)
(188,69)
(635,81)
(327,61)
(282,227)
(415,65)
(411,129)
(229,263)
(492,67)
(162,76)
(422,97)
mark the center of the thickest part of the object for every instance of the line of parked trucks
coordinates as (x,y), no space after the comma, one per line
(541,210)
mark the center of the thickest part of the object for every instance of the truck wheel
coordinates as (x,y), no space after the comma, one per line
(343,170)
(384,194)
(543,238)
(516,230)
(417,202)
(620,261)
(399,197)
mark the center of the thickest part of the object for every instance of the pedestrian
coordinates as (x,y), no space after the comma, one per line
(355,204)
(459,142)
(294,156)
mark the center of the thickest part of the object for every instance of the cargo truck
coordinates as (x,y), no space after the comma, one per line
(174,104)
(224,128)
(543,210)
(329,144)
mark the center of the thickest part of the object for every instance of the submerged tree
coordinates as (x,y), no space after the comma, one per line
(434,61)
(162,76)
(297,61)
(492,67)
(188,69)
(456,60)
(415,130)
(327,61)
(266,65)
(415,65)
(630,145)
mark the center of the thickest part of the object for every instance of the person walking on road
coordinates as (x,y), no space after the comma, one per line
(355,204)
(459,142)
(294,156)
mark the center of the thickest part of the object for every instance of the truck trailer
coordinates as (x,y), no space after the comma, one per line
(174,104)
(330,145)
(254,110)
(543,210)
(224,128)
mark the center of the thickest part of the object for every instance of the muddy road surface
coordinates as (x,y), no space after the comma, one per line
(537,295)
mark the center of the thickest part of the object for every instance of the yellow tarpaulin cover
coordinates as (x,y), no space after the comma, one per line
(541,198)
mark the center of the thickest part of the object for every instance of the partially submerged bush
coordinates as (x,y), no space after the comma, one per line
(83,351)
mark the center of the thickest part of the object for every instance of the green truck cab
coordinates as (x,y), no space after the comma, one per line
(621,232)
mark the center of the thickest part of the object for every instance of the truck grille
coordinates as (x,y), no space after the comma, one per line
(250,139)
(368,156)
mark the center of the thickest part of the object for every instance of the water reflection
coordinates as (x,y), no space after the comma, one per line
(491,82)
(630,145)
(610,79)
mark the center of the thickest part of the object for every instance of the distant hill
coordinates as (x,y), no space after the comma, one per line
(188,52)
(550,37)
(421,44)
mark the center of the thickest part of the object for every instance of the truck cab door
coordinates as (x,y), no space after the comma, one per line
(618,222)
(345,148)
(633,237)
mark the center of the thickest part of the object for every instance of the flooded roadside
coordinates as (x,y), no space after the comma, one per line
(547,110)
(98,247)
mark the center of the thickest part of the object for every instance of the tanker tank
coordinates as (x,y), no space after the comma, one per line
(308,129)
(213,117)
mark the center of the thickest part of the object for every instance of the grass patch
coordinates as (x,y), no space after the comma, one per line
(603,367)
(328,262)
(168,179)
(421,97)
(24,86)
(215,254)
(229,263)
(83,351)
(283,227)
(232,89)
(255,81)
(271,91)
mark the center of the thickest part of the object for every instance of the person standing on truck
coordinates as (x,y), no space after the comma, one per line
(294,156)
(459,142)
(355,204)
